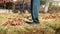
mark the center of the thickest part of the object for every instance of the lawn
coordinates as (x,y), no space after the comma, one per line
(49,24)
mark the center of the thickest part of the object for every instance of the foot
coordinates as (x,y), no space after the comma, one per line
(32,23)
(29,22)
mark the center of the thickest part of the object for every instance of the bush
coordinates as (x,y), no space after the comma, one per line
(54,9)
(9,5)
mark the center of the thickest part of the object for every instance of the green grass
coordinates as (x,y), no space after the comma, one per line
(2,20)
(45,27)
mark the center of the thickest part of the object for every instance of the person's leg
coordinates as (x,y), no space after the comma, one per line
(35,10)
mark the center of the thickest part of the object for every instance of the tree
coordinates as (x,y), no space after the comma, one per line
(42,2)
(9,5)
(46,6)
(47,3)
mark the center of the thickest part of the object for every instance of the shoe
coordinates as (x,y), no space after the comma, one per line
(32,23)
(29,22)
(36,23)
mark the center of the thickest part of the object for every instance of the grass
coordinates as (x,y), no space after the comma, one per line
(45,26)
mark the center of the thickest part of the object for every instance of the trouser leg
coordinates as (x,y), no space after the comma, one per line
(35,10)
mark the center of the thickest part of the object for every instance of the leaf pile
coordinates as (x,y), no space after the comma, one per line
(50,16)
(14,22)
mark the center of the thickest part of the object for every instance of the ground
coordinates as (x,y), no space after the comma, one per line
(49,24)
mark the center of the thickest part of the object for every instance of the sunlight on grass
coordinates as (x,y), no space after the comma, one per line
(45,27)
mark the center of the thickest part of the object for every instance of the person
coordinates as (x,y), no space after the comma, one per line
(35,4)
(35,11)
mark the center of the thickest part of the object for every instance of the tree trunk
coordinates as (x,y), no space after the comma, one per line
(46,6)
(13,8)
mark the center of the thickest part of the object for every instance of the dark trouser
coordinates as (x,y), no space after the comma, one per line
(35,10)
